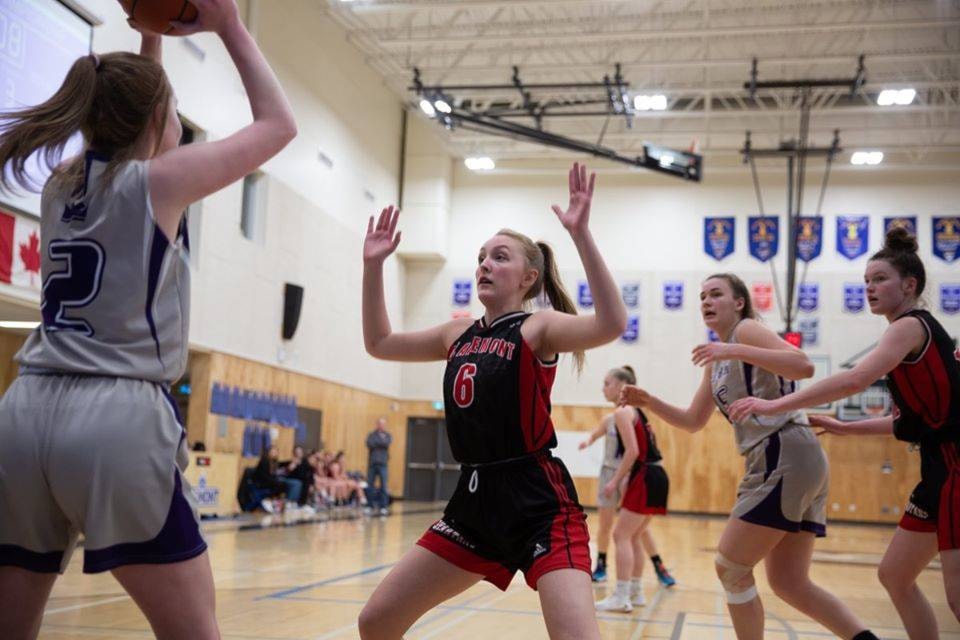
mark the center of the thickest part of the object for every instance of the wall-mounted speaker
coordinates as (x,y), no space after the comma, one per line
(292,302)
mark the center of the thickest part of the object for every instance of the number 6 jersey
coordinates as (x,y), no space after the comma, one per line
(116,291)
(497,393)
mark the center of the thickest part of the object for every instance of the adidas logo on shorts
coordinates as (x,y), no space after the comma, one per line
(539,550)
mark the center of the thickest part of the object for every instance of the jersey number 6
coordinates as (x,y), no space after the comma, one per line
(463,385)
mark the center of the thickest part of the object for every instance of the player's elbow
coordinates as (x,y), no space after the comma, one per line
(806,371)
(612,327)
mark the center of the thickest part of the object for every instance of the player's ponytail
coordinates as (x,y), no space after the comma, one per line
(111,100)
(552,287)
(540,257)
(900,251)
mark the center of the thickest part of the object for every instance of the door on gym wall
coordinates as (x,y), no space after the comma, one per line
(432,472)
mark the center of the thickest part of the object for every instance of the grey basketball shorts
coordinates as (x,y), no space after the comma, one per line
(786,483)
(98,456)
(606,475)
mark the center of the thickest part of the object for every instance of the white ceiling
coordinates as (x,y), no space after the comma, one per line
(696,52)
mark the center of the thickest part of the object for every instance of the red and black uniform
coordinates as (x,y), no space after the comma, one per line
(648,486)
(515,506)
(926,395)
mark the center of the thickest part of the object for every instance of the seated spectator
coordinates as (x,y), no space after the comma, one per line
(266,476)
(298,468)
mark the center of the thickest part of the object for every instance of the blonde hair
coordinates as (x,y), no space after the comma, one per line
(111,100)
(539,256)
(624,374)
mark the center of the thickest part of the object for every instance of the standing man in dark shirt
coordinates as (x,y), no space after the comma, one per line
(378,443)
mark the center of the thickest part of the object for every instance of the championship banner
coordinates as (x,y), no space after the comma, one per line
(673,295)
(631,295)
(854,297)
(632,332)
(852,236)
(950,298)
(809,237)
(808,296)
(718,240)
(461,292)
(763,234)
(762,295)
(19,251)
(907,222)
(584,298)
(946,237)
(810,329)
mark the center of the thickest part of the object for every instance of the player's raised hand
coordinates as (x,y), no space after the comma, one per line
(212,15)
(709,352)
(577,216)
(382,239)
(634,396)
(829,425)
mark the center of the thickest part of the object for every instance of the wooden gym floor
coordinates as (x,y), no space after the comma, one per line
(310,581)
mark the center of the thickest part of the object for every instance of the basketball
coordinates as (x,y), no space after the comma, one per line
(156,15)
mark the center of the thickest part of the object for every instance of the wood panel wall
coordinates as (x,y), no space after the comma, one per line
(10,343)
(871,477)
(348,413)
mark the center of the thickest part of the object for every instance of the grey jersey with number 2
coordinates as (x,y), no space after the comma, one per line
(116,291)
(734,379)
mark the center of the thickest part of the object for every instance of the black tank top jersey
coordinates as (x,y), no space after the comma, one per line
(926,390)
(646,439)
(496,394)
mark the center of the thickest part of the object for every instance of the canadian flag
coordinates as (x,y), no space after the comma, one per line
(19,251)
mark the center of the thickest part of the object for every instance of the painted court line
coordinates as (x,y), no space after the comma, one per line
(612,617)
(469,614)
(654,602)
(678,626)
(85,605)
(321,583)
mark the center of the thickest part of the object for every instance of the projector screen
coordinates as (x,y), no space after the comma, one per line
(39,41)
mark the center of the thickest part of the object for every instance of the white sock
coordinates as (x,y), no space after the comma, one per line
(623,589)
(635,584)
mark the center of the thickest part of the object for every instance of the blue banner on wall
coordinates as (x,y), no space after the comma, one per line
(763,234)
(809,237)
(852,235)
(854,297)
(907,222)
(461,292)
(712,336)
(631,295)
(632,332)
(718,239)
(810,329)
(946,237)
(673,295)
(950,298)
(584,298)
(808,296)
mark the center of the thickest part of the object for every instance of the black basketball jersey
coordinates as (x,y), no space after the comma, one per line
(496,393)
(646,439)
(926,389)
